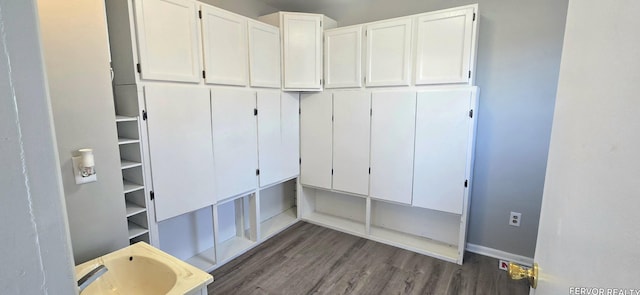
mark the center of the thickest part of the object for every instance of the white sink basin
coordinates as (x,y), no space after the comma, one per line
(142,269)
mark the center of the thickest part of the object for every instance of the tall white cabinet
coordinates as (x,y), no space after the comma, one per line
(180,140)
(443,139)
(316,139)
(393,122)
(351,141)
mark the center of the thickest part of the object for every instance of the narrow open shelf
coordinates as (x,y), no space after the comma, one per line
(204,260)
(278,223)
(337,223)
(136,230)
(233,247)
(124,140)
(133,209)
(125,118)
(415,243)
(129,186)
(125,164)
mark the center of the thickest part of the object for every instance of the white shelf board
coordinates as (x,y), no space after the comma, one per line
(125,118)
(337,223)
(133,209)
(204,260)
(125,164)
(415,243)
(124,140)
(233,247)
(136,230)
(129,186)
(278,223)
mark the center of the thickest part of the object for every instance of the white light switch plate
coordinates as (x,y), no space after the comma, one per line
(76,172)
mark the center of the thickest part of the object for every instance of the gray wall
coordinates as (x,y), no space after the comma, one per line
(248,8)
(520,44)
(35,253)
(74,38)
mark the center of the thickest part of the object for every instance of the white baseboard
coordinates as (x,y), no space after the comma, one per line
(499,254)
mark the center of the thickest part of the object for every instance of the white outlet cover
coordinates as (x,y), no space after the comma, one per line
(515,218)
(76,172)
(503,265)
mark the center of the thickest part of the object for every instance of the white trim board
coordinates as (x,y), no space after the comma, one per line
(499,254)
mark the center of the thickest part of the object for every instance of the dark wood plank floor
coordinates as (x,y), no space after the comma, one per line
(309,259)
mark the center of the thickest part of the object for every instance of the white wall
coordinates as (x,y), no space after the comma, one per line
(35,253)
(520,43)
(75,46)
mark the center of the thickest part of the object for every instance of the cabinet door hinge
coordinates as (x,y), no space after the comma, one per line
(204,75)
(331,171)
(365,80)
(139,68)
(300,161)
(321,24)
(471,113)
(474,16)
(371,112)
(257,171)
(331,118)
(255,112)
(369,170)
(320,82)
(366,32)
(469,74)
(299,111)
(152,195)
(200,14)
(466,183)
(144,115)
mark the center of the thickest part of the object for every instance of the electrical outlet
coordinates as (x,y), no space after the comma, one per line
(514,218)
(504,265)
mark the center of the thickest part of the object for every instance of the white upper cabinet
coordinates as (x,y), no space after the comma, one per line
(180,147)
(392,145)
(235,141)
(224,38)
(351,130)
(264,55)
(301,35)
(388,57)
(442,149)
(343,57)
(278,136)
(168,40)
(316,133)
(302,44)
(444,48)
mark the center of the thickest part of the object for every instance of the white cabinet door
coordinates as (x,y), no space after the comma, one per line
(392,145)
(224,38)
(180,147)
(442,140)
(264,55)
(389,53)
(269,137)
(235,146)
(168,40)
(343,57)
(444,47)
(316,139)
(290,122)
(351,130)
(302,50)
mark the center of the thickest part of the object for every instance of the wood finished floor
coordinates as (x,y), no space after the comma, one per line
(309,259)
